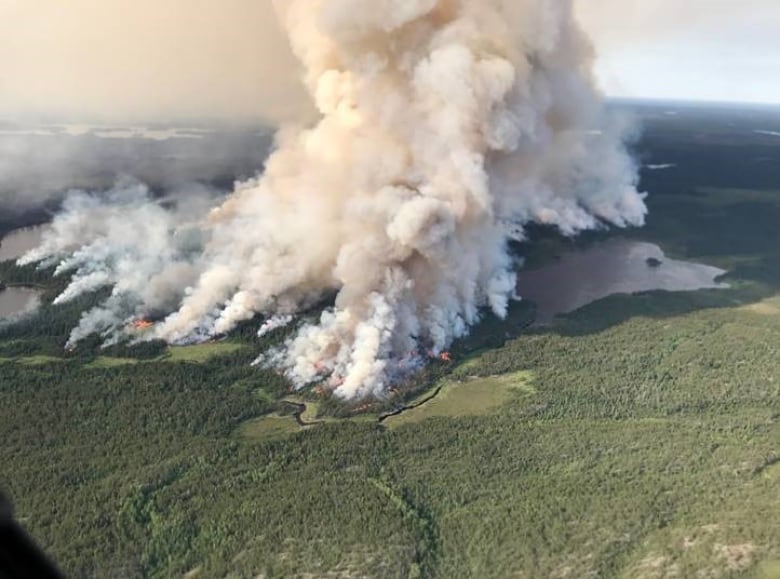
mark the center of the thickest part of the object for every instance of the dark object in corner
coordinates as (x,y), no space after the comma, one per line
(20,557)
(653,262)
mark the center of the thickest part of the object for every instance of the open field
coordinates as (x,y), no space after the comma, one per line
(110,362)
(38,360)
(201,352)
(448,398)
(468,397)
(269,427)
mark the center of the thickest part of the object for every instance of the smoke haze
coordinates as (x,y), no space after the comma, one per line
(445,127)
(124,60)
(41,164)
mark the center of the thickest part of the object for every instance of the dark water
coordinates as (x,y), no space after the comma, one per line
(18,300)
(20,241)
(617,266)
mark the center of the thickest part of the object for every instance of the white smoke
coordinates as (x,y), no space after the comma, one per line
(122,240)
(447,125)
(275,323)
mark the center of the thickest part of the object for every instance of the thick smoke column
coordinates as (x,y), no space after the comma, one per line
(447,125)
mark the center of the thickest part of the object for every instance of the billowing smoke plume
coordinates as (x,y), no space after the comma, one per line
(447,126)
(122,240)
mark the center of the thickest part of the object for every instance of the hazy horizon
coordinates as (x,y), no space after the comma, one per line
(142,61)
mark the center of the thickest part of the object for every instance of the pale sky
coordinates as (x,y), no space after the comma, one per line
(716,50)
(178,58)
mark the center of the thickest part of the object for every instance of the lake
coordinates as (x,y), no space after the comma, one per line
(616,266)
(18,300)
(20,241)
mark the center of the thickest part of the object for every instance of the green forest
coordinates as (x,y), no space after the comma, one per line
(636,437)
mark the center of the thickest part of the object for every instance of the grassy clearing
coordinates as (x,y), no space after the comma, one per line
(469,364)
(769,570)
(201,352)
(767,307)
(110,362)
(312,411)
(268,428)
(472,397)
(39,360)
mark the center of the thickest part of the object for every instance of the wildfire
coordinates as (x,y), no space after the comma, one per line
(142,324)
(445,357)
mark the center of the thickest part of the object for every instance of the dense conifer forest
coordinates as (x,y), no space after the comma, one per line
(636,437)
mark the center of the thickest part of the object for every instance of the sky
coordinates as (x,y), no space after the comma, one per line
(150,59)
(713,50)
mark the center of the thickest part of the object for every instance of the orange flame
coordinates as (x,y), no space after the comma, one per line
(142,324)
(445,357)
